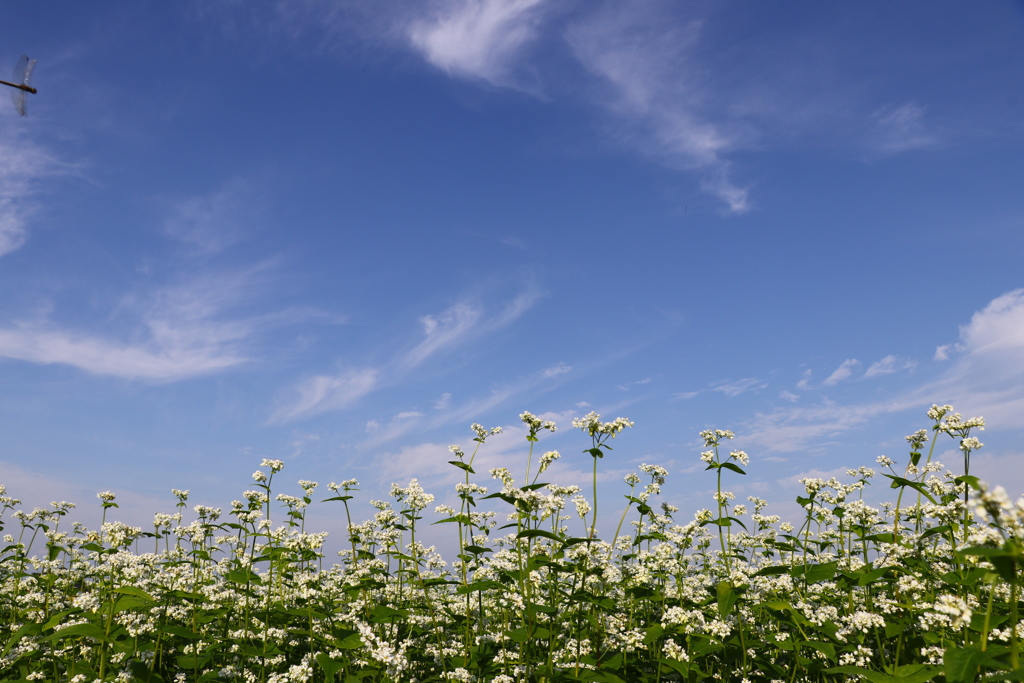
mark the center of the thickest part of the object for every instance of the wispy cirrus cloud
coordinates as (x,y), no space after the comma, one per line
(742,386)
(889,365)
(646,60)
(901,128)
(175,332)
(322,393)
(23,165)
(459,324)
(556,370)
(211,222)
(479,39)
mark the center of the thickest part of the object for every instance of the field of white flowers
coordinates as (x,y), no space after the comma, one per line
(922,588)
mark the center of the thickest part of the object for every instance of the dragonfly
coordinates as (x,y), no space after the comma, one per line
(22,75)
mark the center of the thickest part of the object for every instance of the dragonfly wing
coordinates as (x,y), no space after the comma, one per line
(20,67)
(22,74)
(18,97)
(27,74)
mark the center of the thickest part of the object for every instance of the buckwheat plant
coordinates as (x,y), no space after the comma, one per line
(901,591)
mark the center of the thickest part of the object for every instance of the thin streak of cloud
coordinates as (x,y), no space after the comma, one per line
(443,330)
(889,365)
(555,371)
(844,371)
(209,223)
(901,128)
(22,165)
(740,386)
(321,393)
(457,325)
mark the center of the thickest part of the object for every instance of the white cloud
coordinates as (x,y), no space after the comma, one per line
(900,128)
(176,332)
(844,371)
(788,396)
(805,381)
(684,395)
(889,365)
(22,165)
(406,414)
(462,323)
(646,58)
(740,386)
(556,370)
(443,330)
(476,38)
(209,223)
(329,392)
(106,357)
(791,429)
(457,325)
(443,402)
(986,378)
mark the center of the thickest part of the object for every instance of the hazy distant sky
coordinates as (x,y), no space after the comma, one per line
(337,233)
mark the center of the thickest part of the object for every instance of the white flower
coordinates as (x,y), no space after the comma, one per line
(548,458)
(956,609)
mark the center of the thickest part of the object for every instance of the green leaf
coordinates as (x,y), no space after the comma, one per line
(141,672)
(815,573)
(726,598)
(242,576)
(331,667)
(481,586)
(520,635)
(462,466)
(87,629)
(653,633)
(132,590)
(970,480)
(961,664)
(916,485)
(871,576)
(128,602)
(773,571)
(732,466)
(382,614)
(910,673)
(347,639)
(181,632)
(827,649)
(534,533)
(944,529)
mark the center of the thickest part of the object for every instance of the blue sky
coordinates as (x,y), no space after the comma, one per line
(338,234)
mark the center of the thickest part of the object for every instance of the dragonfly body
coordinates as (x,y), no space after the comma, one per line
(20,86)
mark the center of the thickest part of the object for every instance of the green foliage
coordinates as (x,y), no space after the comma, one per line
(896,593)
